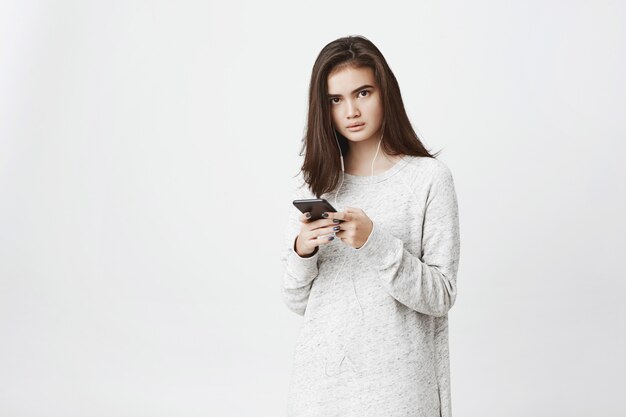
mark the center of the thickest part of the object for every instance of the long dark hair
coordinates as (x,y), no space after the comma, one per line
(322,166)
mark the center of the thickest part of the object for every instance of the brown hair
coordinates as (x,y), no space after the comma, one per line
(322,165)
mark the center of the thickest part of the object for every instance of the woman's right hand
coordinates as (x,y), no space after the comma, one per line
(307,241)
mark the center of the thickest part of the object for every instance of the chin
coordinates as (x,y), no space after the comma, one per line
(358,136)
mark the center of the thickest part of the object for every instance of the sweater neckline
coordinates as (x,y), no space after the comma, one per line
(369,179)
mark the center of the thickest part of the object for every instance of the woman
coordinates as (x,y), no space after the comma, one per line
(376,279)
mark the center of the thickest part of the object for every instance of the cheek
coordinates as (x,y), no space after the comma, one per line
(376,110)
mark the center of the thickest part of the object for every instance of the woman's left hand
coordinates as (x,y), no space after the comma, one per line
(355,228)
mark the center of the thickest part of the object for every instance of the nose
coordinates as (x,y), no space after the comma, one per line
(352,110)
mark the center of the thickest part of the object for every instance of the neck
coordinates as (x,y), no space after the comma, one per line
(359,159)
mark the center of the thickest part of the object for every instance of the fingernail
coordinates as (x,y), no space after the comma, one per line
(324,215)
(308,215)
(336,228)
(336,221)
(331,237)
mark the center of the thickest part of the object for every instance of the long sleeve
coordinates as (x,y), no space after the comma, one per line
(299,272)
(428,285)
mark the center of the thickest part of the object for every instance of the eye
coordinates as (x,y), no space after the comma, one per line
(364,93)
(334,100)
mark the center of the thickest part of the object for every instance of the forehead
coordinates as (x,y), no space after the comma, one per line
(345,79)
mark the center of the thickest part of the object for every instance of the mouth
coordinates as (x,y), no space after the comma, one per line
(355,126)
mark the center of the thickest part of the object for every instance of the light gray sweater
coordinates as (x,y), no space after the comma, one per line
(374,339)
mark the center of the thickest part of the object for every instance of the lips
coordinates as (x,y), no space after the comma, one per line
(355,127)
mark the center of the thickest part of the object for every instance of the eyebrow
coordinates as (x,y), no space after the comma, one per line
(363,87)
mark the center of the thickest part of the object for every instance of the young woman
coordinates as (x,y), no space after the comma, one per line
(376,279)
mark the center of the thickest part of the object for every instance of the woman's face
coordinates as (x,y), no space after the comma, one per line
(355,103)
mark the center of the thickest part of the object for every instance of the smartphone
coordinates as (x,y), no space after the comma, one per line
(315,206)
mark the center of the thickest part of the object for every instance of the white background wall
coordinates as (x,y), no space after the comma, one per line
(146,156)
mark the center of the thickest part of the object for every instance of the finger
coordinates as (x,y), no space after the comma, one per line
(320,239)
(326,239)
(323,233)
(340,215)
(343,236)
(316,224)
(304,217)
(332,228)
(331,215)
(344,229)
(310,231)
(312,243)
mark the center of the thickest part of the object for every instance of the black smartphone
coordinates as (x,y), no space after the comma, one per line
(315,206)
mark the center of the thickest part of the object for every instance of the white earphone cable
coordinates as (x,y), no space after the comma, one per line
(345,257)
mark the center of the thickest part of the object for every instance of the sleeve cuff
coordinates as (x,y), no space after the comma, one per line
(303,268)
